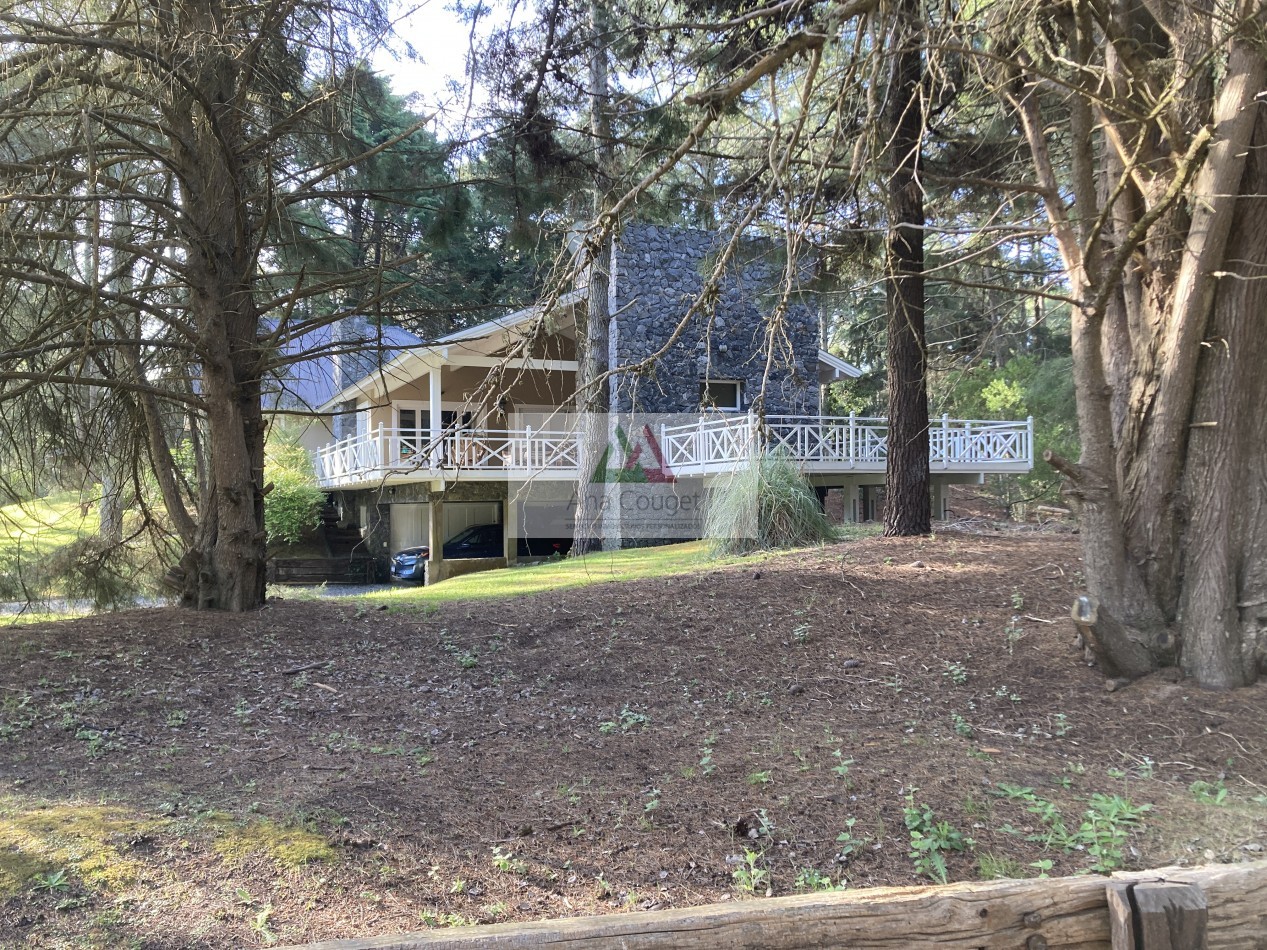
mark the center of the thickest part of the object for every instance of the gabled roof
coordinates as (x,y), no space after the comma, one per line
(398,352)
(832,368)
(309,384)
(510,321)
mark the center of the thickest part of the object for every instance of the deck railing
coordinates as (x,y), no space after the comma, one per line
(709,445)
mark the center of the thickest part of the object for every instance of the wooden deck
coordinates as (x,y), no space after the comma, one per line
(708,446)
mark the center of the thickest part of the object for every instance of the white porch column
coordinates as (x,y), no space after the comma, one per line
(435,414)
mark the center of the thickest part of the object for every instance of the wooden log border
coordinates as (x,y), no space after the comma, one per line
(1030,914)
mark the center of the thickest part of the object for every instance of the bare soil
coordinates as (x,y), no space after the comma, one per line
(315,770)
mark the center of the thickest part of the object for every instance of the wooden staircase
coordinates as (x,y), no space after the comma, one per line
(346,562)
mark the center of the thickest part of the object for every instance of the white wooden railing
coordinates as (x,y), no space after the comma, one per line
(706,446)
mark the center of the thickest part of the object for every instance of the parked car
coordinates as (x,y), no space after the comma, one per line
(481,540)
(484,540)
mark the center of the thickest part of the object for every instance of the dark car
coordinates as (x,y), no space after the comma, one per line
(483,540)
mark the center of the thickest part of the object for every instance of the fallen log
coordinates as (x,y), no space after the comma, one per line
(1226,907)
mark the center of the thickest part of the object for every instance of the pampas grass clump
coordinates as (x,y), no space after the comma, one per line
(767,504)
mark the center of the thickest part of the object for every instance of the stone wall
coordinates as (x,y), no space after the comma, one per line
(658,273)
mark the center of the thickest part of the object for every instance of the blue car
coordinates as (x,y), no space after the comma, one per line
(483,540)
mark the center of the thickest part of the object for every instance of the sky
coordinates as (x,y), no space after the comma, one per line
(439,41)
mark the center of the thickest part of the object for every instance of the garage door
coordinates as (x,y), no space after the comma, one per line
(409,526)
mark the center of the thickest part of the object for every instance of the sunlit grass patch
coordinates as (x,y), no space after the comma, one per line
(40,525)
(289,846)
(562,574)
(88,841)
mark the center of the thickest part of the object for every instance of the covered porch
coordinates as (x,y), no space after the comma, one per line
(711,446)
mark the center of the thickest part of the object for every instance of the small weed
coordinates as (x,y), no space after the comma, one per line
(1014,634)
(997,867)
(1018,600)
(750,876)
(962,726)
(846,842)
(706,756)
(957,673)
(176,718)
(800,633)
(1207,793)
(1105,827)
(260,924)
(812,879)
(652,802)
(436,919)
(841,767)
(506,862)
(628,720)
(51,881)
(931,839)
(759,778)
(1061,726)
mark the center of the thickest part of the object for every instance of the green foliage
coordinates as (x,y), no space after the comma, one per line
(1209,793)
(1023,386)
(767,504)
(750,876)
(931,839)
(293,507)
(108,575)
(1106,824)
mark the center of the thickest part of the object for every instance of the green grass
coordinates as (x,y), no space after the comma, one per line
(600,568)
(628,565)
(28,617)
(44,524)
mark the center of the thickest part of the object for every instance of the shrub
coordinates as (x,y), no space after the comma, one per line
(767,504)
(107,574)
(293,507)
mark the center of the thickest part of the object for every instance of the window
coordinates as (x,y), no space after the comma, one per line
(720,394)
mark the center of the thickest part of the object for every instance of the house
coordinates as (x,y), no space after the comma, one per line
(434,436)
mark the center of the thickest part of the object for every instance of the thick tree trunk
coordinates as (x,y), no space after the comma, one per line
(1224,560)
(1165,245)
(225,568)
(906,509)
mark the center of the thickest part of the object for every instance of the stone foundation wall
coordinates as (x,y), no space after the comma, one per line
(658,273)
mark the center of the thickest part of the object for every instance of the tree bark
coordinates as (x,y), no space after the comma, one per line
(225,569)
(593,402)
(906,508)
(1165,244)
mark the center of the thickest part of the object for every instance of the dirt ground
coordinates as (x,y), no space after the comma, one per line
(180,780)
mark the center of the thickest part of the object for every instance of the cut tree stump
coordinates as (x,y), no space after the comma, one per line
(1117,648)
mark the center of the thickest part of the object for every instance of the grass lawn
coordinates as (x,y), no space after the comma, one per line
(564,574)
(568,573)
(43,524)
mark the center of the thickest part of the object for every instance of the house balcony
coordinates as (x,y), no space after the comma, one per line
(714,445)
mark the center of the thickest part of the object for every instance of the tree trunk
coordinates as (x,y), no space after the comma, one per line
(225,568)
(1166,246)
(906,508)
(1223,594)
(593,359)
